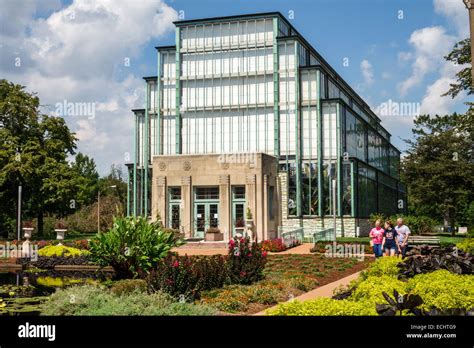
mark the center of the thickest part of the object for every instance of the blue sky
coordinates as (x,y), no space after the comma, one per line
(75,51)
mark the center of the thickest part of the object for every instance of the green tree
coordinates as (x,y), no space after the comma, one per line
(114,178)
(87,179)
(460,55)
(439,168)
(34,154)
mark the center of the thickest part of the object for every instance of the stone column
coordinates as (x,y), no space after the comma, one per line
(186,209)
(264,221)
(159,200)
(225,220)
(251,199)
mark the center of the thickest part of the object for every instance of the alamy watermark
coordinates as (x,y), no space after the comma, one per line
(243,157)
(335,250)
(75,109)
(26,249)
(394,108)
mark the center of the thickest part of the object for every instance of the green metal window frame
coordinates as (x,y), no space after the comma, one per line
(178,92)
(158,147)
(171,202)
(276,89)
(236,201)
(146,157)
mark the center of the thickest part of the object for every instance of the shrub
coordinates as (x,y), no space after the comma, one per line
(230,300)
(246,261)
(443,290)
(127,286)
(418,224)
(92,300)
(382,266)
(82,244)
(376,216)
(185,277)
(370,290)
(323,307)
(57,282)
(301,283)
(133,246)
(273,245)
(44,262)
(61,250)
(425,259)
(237,298)
(467,245)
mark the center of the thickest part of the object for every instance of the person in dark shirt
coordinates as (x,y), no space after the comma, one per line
(389,241)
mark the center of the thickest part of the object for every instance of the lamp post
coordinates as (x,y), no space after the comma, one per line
(19,214)
(470,7)
(98,207)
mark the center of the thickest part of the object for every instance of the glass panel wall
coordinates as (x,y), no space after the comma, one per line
(309,181)
(346,189)
(367,191)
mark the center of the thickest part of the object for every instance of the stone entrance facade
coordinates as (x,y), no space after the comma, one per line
(198,192)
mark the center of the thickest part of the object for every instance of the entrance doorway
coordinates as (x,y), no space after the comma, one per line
(206,210)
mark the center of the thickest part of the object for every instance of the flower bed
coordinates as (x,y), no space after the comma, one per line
(278,244)
(273,245)
(285,276)
(440,291)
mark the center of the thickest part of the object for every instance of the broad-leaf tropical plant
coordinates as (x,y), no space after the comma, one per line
(132,246)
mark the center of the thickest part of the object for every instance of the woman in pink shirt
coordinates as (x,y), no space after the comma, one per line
(376,234)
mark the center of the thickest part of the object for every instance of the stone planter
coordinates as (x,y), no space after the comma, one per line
(214,237)
(240,230)
(249,224)
(26,245)
(60,232)
(27,231)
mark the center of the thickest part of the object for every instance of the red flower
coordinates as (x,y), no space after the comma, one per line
(249,255)
(176,264)
(264,254)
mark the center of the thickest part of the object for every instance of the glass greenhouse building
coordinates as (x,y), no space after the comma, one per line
(244,114)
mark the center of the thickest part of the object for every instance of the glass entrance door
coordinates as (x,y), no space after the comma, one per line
(200,218)
(206,209)
(206,215)
(214,215)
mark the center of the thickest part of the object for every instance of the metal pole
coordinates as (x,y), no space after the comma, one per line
(470,6)
(19,214)
(334,205)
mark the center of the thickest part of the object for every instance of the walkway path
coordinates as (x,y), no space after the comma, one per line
(202,250)
(323,291)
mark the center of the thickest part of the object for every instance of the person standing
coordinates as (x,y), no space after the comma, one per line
(403,232)
(376,235)
(389,242)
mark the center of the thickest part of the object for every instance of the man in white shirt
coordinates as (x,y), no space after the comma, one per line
(402,236)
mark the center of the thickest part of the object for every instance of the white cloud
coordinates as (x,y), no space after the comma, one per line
(456,13)
(77,54)
(430,45)
(367,72)
(432,102)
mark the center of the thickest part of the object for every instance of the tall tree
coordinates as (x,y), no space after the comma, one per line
(460,55)
(439,166)
(87,179)
(34,155)
(115,178)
